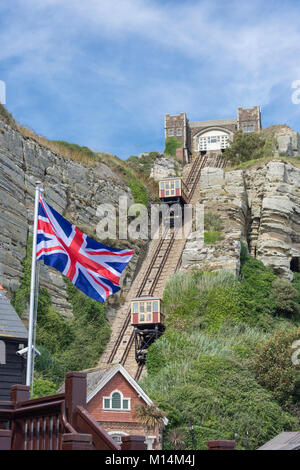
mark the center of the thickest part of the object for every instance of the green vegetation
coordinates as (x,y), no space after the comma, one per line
(252,146)
(84,152)
(213,226)
(65,344)
(224,361)
(274,368)
(142,164)
(171,145)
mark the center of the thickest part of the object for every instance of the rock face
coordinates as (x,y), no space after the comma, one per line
(224,195)
(164,167)
(288,140)
(260,206)
(71,188)
(274,208)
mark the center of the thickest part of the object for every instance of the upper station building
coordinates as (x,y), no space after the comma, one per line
(204,136)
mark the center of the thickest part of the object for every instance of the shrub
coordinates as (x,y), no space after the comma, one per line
(255,288)
(274,368)
(43,388)
(245,147)
(285,298)
(171,145)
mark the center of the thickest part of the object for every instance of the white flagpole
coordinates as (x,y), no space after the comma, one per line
(33,288)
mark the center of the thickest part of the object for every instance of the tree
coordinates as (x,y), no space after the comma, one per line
(246,147)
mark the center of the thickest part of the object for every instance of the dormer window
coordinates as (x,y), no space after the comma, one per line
(116,401)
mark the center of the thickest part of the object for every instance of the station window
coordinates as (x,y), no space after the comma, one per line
(249,128)
(142,317)
(142,307)
(116,401)
(155,306)
(177,184)
(162,185)
(148,306)
(167,193)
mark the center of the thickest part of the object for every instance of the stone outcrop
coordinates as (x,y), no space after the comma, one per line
(224,194)
(260,206)
(73,189)
(164,167)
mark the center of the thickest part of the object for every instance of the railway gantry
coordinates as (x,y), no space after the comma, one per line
(163,259)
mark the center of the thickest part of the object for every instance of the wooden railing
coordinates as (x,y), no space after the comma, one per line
(57,422)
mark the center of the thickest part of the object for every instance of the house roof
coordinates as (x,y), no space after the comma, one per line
(284,441)
(10,323)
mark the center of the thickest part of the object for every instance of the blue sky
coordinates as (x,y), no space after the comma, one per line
(103,73)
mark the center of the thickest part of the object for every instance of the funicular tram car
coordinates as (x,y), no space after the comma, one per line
(172,190)
(148,319)
(174,193)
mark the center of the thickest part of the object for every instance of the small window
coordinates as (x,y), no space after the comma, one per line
(162,185)
(148,306)
(142,307)
(116,400)
(118,439)
(135,308)
(167,186)
(167,193)
(142,317)
(155,306)
(171,132)
(179,132)
(106,402)
(149,317)
(177,184)
(125,404)
(249,128)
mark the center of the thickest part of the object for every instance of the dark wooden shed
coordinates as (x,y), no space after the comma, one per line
(13,336)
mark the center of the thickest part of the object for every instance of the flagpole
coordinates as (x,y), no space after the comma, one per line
(33,289)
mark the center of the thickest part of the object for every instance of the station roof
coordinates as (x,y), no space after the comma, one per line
(10,323)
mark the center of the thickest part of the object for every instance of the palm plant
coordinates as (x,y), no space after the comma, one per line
(149,415)
(177,439)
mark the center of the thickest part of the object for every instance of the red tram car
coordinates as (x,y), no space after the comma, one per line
(147,317)
(173,190)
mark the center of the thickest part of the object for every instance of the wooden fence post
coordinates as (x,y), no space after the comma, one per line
(5,439)
(77,442)
(19,393)
(133,443)
(75,394)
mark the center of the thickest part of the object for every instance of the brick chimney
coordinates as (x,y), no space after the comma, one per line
(221,445)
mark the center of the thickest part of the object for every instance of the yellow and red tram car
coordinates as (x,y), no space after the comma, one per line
(146,311)
(173,189)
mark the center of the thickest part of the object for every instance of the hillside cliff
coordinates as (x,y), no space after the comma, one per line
(259,206)
(72,188)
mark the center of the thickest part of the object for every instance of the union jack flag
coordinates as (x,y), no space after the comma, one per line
(92,267)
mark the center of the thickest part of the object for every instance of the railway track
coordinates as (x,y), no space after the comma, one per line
(165,260)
